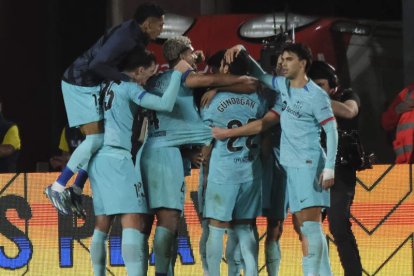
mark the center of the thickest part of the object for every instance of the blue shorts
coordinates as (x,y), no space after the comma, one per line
(304,190)
(274,192)
(82,104)
(227,202)
(163,176)
(115,185)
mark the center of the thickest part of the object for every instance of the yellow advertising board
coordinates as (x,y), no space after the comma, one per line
(35,240)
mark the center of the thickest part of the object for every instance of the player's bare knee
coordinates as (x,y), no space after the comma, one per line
(103,223)
(168,218)
(309,214)
(135,221)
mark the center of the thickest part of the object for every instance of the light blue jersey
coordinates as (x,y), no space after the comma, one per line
(303,112)
(183,125)
(234,160)
(114,181)
(112,166)
(120,106)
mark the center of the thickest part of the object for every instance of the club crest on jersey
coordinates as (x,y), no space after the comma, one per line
(298,105)
(295,110)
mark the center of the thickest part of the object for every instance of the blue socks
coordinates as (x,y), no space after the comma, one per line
(83,153)
(163,242)
(80,159)
(214,249)
(317,258)
(133,252)
(273,256)
(81,178)
(249,248)
(64,176)
(98,252)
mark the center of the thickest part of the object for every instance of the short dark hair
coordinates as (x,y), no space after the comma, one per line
(148,10)
(216,58)
(239,66)
(323,70)
(302,51)
(136,58)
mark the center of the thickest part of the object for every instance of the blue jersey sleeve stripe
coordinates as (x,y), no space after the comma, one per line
(142,95)
(273,82)
(185,74)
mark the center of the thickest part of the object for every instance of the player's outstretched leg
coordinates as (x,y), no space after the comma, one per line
(79,158)
(73,195)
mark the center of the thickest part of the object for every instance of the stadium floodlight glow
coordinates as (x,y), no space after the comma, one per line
(174,25)
(271,24)
(351,27)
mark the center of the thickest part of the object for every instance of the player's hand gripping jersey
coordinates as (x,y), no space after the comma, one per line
(181,126)
(234,160)
(121,104)
(116,185)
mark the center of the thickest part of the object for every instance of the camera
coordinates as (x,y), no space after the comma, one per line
(351,152)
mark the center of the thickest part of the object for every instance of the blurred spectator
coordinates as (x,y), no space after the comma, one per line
(399,118)
(70,139)
(10,144)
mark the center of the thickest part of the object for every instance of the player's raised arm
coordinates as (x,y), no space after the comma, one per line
(235,88)
(167,101)
(257,71)
(195,80)
(254,68)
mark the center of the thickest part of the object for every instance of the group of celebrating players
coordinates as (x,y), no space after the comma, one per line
(255,136)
